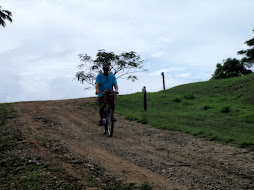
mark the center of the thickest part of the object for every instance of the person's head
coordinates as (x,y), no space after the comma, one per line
(106,68)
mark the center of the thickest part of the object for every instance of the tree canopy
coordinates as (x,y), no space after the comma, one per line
(123,65)
(4,14)
(234,67)
(248,60)
(230,68)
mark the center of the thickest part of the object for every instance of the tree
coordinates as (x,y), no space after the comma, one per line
(248,60)
(230,68)
(122,66)
(4,14)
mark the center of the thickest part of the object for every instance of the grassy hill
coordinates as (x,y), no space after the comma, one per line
(221,110)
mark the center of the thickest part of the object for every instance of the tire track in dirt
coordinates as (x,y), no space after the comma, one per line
(138,153)
(73,136)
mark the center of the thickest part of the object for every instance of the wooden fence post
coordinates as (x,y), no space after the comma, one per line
(145,100)
(163,78)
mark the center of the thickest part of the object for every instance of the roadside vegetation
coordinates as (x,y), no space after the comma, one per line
(233,67)
(19,169)
(217,110)
(5,15)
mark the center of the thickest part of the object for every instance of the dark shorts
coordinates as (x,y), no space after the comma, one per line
(101,100)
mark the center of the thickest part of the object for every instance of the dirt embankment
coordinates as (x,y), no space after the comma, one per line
(64,134)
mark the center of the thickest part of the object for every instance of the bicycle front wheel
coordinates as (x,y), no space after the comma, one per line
(110,123)
(104,124)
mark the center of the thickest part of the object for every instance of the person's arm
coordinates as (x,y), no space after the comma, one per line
(116,89)
(97,84)
(115,84)
(97,88)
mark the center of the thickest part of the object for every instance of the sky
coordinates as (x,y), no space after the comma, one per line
(185,39)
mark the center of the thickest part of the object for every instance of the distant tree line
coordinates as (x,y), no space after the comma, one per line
(233,67)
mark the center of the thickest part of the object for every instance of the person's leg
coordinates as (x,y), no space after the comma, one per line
(113,109)
(101,104)
(101,111)
(112,106)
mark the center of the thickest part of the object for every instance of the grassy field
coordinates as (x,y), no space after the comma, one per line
(217,110)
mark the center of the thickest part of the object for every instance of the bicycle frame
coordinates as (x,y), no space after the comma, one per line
(106,111)
(108,121)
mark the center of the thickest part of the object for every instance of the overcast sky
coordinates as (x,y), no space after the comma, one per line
(184,38)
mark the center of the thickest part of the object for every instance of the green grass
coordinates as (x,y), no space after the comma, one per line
(221,110)
(15,171)
(7,140)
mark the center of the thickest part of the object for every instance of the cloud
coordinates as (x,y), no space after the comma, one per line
(183,39)
(184,75)
(166,70)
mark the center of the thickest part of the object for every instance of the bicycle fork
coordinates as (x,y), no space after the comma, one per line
(106,116)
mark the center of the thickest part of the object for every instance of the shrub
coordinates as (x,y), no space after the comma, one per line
(226,109)
(131,117)
(189,97)
(178,100)
(146,186)
(206,107)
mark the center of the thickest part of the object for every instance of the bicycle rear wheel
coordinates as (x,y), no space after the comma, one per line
(110,123)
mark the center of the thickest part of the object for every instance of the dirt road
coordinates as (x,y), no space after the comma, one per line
(64,134)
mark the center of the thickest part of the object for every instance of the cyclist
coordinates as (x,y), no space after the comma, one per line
(105,81)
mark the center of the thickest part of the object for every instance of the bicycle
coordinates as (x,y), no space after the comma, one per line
(108,116)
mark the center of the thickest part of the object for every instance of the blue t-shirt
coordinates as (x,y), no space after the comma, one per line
(105,82)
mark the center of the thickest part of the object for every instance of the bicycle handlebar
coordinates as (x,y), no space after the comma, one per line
(110,90)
